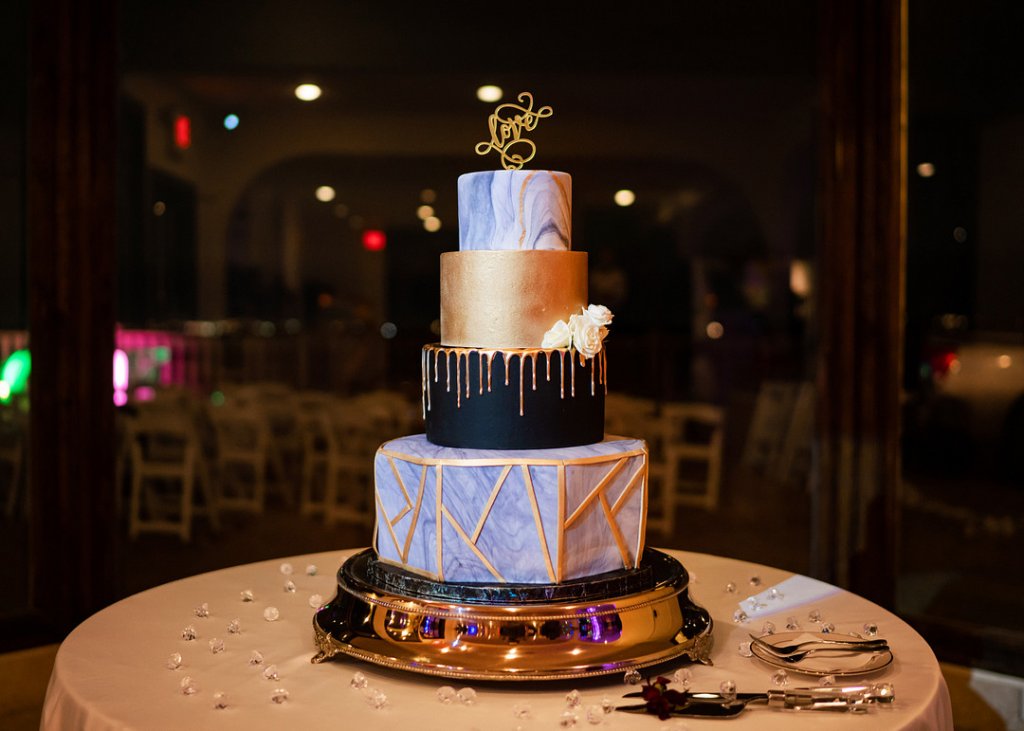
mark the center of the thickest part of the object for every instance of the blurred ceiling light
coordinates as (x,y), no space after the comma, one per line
(489,93)
(1004,361)
(960,234)
(388,330)
(231,121)
(340,210)
(159,208)
(325,194)
(427,195)
(926,170)
(424,212)
(715,330)
(624,197)
(432,224)
(308,92)
(800,278)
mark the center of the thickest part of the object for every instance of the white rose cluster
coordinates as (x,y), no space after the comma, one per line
(585,332)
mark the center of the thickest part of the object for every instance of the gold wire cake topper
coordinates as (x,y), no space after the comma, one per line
(507,125)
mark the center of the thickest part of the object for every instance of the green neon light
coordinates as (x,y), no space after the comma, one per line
(15,373)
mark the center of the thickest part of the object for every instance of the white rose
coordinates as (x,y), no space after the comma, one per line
(557,337)
(600,314)
(587,335)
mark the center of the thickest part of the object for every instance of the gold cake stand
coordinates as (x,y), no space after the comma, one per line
(385,616)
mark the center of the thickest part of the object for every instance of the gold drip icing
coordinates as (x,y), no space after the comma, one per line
(522,363)
(598,370)
(572,372)
(425,392)
(561,372)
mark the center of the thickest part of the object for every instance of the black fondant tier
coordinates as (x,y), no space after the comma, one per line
(512,399)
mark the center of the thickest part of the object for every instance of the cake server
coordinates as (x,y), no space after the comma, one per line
(850,698)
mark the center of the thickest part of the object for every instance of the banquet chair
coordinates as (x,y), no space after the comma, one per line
(163,449)
(284,444)
(353,436)
(241,447)
(689,435)
(629,416)
(312,409)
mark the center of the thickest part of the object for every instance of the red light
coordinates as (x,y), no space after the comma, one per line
(943,362)
(182,132)
(374,240)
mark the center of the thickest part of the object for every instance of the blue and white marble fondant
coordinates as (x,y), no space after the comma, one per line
(515,209)
(526,516)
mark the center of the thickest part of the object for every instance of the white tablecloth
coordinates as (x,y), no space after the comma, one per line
(111,672)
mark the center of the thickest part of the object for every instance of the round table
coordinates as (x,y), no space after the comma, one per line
(112,671)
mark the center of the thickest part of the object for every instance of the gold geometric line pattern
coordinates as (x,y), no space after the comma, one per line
(528,482)
(401,514)
(621,499)
(415,513)
(501,461)
(616,533)
(490,503)
(561,523)
(557,570)
(465,539)
(401,484)
(438,537)
(391,530)
(597,491)
(642,533)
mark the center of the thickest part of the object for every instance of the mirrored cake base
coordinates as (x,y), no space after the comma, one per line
(612,623)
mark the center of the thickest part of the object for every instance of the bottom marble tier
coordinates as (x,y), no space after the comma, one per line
(619,621)
(541,516)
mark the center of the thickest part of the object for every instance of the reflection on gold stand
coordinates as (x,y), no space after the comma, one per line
(518,637)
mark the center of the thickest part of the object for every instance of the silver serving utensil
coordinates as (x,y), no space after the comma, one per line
(850,698)
(859,645)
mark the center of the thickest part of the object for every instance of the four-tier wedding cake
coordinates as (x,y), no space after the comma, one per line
(514,523)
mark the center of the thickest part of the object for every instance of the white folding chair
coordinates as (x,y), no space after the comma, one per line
(163,450)
(689,438)
(312,422)
(353,438)
(242,447)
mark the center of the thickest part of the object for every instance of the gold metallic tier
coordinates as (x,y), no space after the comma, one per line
(508,299)
(552,641)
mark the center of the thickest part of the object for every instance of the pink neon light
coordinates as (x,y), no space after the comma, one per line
(120,370)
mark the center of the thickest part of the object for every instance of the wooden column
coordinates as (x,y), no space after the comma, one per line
(863,184)
(71,245)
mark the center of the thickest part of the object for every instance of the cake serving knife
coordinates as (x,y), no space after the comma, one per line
(850,698)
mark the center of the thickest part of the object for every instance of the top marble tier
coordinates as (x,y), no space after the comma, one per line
(515,209)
